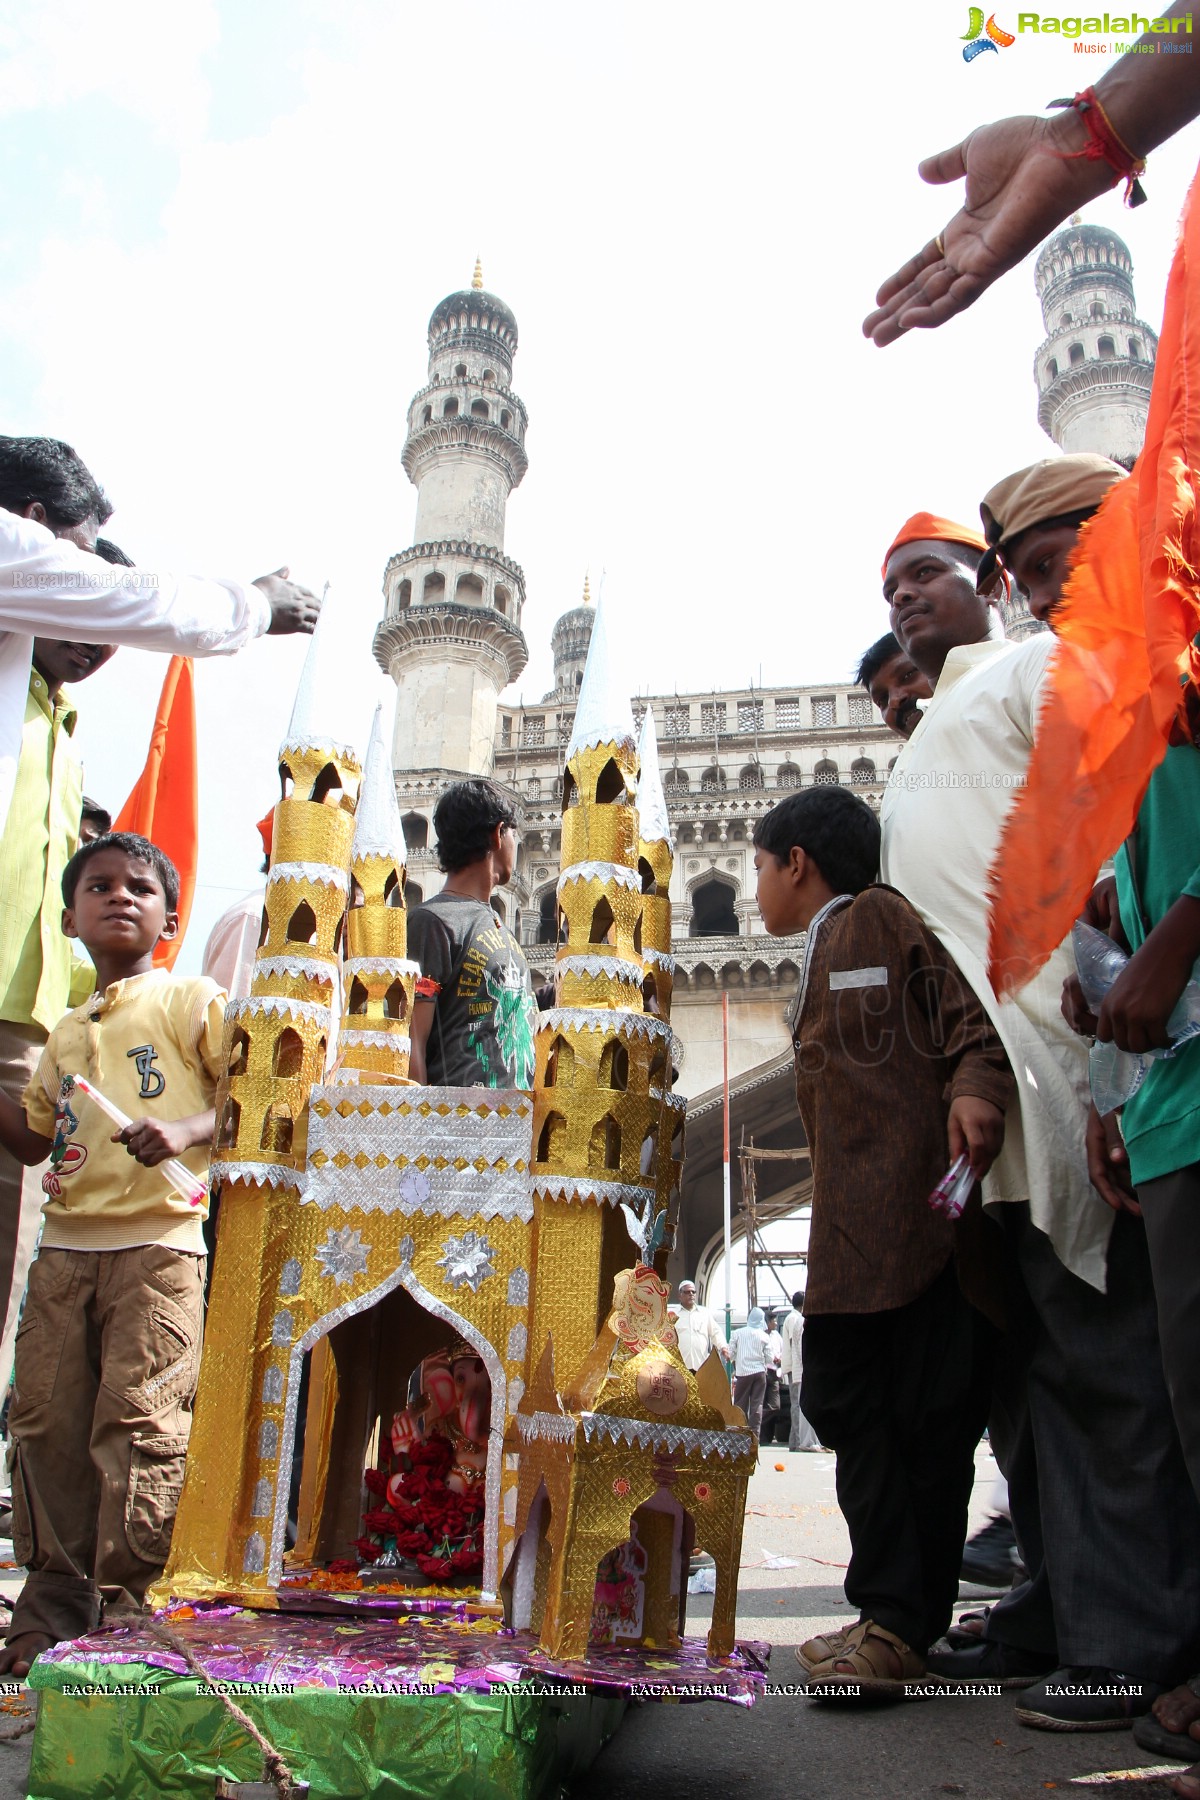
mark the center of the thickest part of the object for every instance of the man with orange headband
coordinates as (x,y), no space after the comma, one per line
(1114,1606)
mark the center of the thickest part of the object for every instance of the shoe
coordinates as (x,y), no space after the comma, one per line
(990,1558)
(1087,1700)
(991,1661)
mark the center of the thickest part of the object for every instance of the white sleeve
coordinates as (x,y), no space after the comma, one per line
(49,586)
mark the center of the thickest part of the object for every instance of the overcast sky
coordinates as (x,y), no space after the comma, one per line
(225,227)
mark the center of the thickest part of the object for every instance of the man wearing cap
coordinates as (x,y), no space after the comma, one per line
(1122,1596)
(697,1330)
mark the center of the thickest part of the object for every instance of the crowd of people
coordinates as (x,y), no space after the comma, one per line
(988,1249)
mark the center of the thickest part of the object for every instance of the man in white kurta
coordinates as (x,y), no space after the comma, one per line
(696,1329)
(1118,1586)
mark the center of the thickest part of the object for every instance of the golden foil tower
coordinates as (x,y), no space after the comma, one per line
(599,1053)
(656,860)
(373,1041)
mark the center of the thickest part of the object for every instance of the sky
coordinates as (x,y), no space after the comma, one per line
(225,227)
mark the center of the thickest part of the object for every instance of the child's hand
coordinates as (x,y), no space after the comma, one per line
(975,1130)
(152,1141)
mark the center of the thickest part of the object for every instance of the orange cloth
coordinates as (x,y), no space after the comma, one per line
(164,804)
(1127,671)
(266,831)
(923,526)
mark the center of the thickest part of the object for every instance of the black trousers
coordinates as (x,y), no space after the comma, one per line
(902,1397)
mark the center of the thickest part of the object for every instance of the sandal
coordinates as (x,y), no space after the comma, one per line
(867,1662)
(968,1629)
(825,1648)
(1150,1734)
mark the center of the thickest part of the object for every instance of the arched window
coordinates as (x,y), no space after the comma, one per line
(277,1130)
(552,1139)
(450,409)
(302,926)
(227,1130)
(603,926)
(676,780)
(646,874)
(427,416)
(1075,352)
(393,889)
(658,1066)
(712,781)
(1106,347)
(479,409)
(287,1058)
(404,594)
(788,776)
(1097,309)
(505,420)
(328,786)
(469,590)
(750,777)
(560,1064)
(1052,369)
(460,369)
(862,772)
(356,1005)
(434,588)
(826,773)
(395,1006)
(547,918)
(713,913)
(416,831)
(1135,349)
(1066,320)
(239,1053)
(503,600)
(610,788)
(614,1066)
(604,1149)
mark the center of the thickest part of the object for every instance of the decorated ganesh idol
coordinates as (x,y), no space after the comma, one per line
(432,1491)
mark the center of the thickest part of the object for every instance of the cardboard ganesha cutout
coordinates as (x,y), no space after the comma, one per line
(435,1312)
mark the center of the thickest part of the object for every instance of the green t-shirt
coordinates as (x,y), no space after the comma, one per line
(1161,1124)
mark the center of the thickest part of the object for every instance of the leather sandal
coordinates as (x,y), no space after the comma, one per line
(867,1662)
(826,1647)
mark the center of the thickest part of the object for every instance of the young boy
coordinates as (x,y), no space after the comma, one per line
(109,1347)
(898,1072)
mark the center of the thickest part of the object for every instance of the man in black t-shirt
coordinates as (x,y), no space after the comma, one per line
(473,1017)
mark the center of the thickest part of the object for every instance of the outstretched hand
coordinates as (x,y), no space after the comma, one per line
(293,608)
(1021,183)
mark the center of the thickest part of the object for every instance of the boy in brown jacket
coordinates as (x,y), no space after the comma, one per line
(898,1073)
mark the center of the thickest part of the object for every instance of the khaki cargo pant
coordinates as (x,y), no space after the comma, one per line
(106,1365)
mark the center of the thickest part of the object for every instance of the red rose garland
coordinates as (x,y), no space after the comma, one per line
(441,1531)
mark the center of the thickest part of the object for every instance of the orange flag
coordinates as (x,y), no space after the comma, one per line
(1125,680)
(164,805)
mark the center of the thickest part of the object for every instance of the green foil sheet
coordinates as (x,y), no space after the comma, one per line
(123,1743)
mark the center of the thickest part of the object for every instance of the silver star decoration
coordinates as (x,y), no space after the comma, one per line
(466,1261)
(343,1255)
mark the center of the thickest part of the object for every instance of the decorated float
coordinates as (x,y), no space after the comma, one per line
(447,1469)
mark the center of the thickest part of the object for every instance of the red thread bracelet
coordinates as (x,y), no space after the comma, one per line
(1104,145)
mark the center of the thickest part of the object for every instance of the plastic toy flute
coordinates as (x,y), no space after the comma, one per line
(179,1176)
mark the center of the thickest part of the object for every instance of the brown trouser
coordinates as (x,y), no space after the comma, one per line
(20,1191)
(107,1359)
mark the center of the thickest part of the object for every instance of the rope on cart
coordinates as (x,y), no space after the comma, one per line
(275,1769)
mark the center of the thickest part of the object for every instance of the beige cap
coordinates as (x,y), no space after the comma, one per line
(1046,490)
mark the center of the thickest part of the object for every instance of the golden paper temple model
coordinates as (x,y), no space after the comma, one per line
(368,1226)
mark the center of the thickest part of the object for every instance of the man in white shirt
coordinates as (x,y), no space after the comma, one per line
(51,509)
(1123,1595)
(791,1368)
(696,1329)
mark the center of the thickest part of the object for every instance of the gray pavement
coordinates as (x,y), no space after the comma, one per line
(788,1747)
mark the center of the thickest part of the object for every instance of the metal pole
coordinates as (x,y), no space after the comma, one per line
(725,1164)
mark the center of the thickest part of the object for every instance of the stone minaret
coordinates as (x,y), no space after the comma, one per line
(1094,370)
(569,641)
(451,633)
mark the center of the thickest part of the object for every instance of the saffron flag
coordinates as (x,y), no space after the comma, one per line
(164,804)
(1125,678)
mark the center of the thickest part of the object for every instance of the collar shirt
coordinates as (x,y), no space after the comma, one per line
(152,1046)
(943,811)
(887,1035)
(50,588)
(774,1349)
(750,1355)
(791,1363)
(698,1334)
(42,832)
